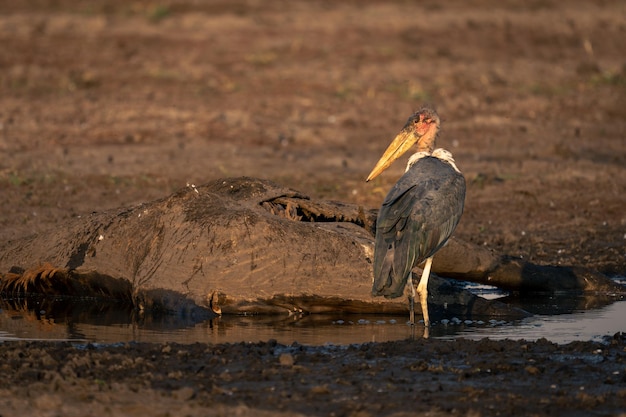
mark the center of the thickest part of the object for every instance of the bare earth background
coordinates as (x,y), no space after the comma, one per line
(114,103)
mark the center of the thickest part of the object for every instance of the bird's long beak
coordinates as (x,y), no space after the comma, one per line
(398,147)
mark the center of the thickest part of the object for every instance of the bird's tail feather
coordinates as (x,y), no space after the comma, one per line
(387,282)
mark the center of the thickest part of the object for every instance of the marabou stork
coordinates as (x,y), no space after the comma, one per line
(420,212)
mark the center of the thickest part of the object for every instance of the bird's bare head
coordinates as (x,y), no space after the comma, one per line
(424,124)
(421,129)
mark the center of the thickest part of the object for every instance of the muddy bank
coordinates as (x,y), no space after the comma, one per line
(413,377)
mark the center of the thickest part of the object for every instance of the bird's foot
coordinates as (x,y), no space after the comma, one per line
(424,304)
(411,311)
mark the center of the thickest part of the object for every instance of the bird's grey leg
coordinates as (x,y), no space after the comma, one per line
(411,300)
(422,290)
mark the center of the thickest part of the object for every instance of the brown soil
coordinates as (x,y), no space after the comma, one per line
(395,378)
(115,103)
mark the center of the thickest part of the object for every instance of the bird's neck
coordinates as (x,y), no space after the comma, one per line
(426,149)
(427,142)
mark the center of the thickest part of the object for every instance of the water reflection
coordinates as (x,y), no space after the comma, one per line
(560,318)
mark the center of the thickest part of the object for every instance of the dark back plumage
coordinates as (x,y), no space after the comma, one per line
(416,219)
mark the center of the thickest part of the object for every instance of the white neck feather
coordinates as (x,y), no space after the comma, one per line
(440,153)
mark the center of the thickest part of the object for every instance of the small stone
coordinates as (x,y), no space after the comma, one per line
(320,389)
(532,370)
(286,359)
(184,394)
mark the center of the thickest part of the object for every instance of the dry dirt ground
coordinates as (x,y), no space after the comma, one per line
(114,103)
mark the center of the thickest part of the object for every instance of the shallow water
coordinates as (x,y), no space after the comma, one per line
(560,319)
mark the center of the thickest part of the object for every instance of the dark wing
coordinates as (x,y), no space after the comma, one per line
(416,219)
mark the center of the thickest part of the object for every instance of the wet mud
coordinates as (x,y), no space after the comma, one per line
(413,377)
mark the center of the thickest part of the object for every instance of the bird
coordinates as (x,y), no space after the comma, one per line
(420,212)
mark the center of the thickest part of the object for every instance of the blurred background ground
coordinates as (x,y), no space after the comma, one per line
(108,104)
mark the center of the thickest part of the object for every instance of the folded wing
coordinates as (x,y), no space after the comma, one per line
(416,219)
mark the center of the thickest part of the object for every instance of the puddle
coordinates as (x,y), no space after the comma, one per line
(562,328)
(560,319)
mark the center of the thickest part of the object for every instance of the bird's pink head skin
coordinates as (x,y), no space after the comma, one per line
(421,129)
(426,125)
